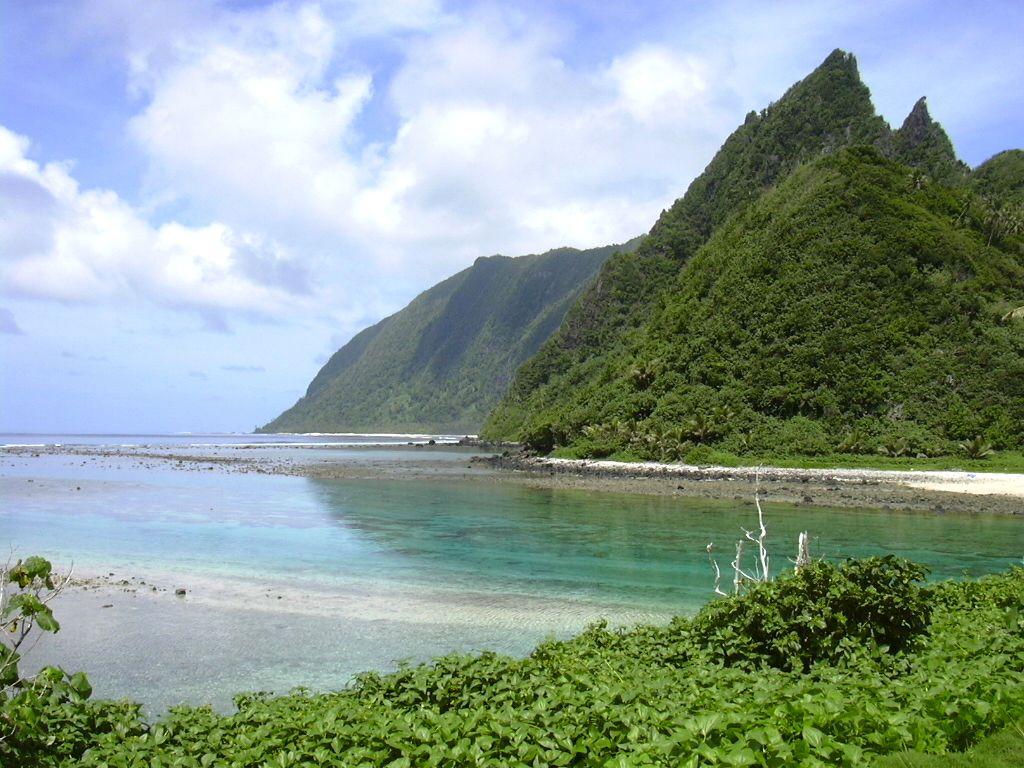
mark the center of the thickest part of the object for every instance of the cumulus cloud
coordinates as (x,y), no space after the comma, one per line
(239,120)
(496,143)
(62,242)
(272,127)
(357,151)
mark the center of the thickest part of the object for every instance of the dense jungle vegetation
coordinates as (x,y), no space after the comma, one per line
(441,363)
(828,109)
(833,665)
(1001,178)
(838,289)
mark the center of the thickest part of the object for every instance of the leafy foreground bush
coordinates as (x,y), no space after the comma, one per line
(821,614)
(900,667)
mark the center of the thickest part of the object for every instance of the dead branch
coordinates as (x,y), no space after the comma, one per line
(803,551)
(718,571)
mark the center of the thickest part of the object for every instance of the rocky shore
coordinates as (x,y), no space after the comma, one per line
(916,491)
(922,491)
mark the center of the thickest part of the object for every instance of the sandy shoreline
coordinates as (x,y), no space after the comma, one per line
(963,482)
(356,600)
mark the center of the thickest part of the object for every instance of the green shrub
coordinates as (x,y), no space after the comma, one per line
(543,438)
(819,614)
(52,722)
(978,448)
(1004,749)
(801,435)
(701,455)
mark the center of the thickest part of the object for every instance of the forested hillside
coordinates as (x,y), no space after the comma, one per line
(849,300)
(852,306)
(441,364)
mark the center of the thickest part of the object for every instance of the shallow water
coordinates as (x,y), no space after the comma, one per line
(215,440)
(373,571)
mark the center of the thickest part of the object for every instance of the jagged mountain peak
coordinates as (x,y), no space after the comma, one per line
(829,108)
(923,143)
(826,114)
(840,59)
(919,115)
(919,127)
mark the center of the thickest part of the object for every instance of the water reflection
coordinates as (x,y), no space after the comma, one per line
(628,548)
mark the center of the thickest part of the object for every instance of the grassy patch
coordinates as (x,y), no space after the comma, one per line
(999,461)
(1004,749)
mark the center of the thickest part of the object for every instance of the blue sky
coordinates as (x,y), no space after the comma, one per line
(201,200)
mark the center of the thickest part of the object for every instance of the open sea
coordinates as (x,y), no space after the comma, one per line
(294,581)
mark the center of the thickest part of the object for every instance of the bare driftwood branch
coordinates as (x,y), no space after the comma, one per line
(762,570)
(740,577)
(718,571)
(803,551)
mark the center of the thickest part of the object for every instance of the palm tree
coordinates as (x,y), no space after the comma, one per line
(896,448)
(1004,221)
(976,448)
(641,377)
(853,442)
(700,428)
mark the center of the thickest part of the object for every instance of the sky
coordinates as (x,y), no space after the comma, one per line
(201,200)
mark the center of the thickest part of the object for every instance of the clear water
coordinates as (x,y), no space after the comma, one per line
(296,581)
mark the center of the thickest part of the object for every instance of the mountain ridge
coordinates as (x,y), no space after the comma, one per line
(440,363)
(543,346)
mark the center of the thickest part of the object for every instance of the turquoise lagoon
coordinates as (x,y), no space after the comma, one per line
(296,581)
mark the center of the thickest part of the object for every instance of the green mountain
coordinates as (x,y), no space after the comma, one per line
(828,109)
(1001,177)
(826,283)
(442,363)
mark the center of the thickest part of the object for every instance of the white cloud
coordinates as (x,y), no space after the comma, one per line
(238,119)
(655,81)
(497,143)
(259,124)
(511,148)
(64,243)
(390,144)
